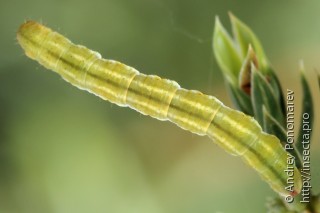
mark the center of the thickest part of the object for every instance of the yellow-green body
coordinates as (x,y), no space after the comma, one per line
(163,99)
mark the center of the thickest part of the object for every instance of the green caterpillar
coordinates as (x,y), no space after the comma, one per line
(163,99)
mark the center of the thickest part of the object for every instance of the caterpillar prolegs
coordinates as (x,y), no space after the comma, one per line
(163,99)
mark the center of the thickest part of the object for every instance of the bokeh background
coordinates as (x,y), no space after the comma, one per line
(63,150)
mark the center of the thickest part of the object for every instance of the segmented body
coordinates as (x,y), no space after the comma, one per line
(160,98)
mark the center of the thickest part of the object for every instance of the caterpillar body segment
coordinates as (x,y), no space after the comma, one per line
(163,99)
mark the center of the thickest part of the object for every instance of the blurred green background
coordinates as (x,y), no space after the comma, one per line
(64,150)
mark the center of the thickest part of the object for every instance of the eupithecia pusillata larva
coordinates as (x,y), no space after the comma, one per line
(163,99)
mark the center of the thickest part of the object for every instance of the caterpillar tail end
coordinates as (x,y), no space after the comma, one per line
(297,183)
(291,189)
